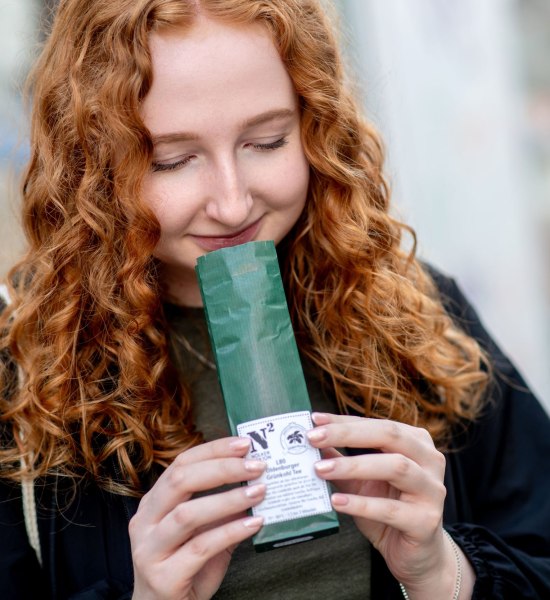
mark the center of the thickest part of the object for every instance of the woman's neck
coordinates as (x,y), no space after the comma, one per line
(181,288)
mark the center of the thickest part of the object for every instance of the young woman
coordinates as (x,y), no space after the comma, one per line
(162,130)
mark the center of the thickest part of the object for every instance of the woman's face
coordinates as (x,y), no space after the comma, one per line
(228,164)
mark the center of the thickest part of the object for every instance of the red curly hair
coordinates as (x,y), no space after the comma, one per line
(86,327)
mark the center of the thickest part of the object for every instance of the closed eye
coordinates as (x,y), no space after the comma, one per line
(157,167)
(271,145)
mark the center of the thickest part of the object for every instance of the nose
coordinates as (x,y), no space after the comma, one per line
(230,201)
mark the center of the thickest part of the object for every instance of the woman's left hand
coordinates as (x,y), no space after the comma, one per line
(396,497)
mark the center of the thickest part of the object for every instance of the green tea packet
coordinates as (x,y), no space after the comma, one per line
(264,390)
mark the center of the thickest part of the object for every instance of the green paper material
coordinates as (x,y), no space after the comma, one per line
(256,355)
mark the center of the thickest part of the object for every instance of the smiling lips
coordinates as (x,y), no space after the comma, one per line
(211,242)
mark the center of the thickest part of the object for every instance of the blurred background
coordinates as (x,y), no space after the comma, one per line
(461,94)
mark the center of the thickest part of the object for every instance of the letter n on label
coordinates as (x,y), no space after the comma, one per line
(259,439)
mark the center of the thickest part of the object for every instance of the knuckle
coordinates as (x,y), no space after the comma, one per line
(228,466)
(176,476)
(440,459)
(402,465)
(363,505)
(431,519)
(145,501)
(198,548)
(441,491)
(180,460)
(181,514)
(350,466)
(427,437)
(394,430)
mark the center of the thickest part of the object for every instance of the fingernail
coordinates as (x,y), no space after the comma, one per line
(240,444)
(340,499)
(254,465)
(253,491)
(316,435)
(320,418)
(324,466)
(253,522)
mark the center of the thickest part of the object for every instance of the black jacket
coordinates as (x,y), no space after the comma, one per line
(497,507)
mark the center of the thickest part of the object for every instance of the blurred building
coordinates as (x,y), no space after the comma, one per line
(19,28)
(461,93)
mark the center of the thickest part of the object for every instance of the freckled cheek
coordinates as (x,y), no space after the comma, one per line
(172,208)
(301,186)
(289,184)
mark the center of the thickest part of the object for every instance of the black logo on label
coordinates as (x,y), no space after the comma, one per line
(259,438)
(293,439)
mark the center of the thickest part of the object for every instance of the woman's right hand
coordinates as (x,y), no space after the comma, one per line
(181,545)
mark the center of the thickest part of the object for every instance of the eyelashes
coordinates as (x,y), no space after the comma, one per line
(156,167)
(159,167)
(272,145)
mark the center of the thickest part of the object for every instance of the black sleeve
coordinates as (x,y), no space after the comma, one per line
(498,508)
(21,577)
(20,574)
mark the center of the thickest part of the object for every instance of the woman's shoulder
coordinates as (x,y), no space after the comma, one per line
(461,310)
(510,401)
(452,297)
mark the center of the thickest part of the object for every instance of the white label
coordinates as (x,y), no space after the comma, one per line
(293,488)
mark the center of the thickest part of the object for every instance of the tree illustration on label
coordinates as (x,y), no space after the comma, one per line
(295,437)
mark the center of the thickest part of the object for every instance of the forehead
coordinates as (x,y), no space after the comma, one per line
(213,70)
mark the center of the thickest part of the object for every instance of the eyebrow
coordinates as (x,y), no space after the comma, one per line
(270,115)
(265,117)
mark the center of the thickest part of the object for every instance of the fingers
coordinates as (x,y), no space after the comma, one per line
(339,431)
(189,517)
(194,555)
(396,469)
(175,532)
(419,521)
(199,469)
(224,447)
(400,487)
(176,573)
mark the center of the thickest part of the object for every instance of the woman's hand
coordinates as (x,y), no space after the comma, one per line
(181,545)
(395,496)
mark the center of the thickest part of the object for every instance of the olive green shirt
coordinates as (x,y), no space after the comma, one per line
(337,566)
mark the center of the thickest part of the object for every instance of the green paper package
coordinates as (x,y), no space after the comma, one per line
(264,390)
